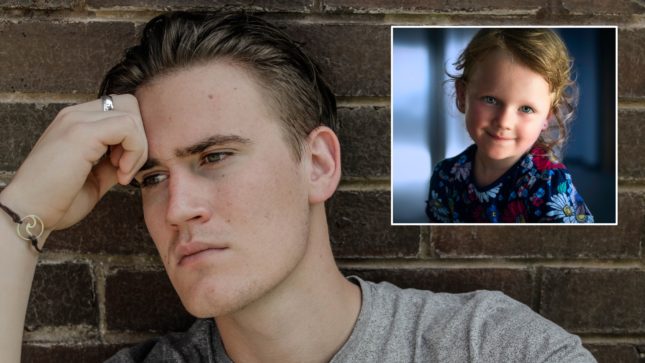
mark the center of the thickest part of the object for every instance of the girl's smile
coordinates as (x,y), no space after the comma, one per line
(506,106)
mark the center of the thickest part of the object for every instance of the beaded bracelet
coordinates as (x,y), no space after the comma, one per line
(26,225)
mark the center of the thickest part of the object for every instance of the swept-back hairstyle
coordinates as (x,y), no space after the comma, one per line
(174,41)
(542,51)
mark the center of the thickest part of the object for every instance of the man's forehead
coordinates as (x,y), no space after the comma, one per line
(201,105)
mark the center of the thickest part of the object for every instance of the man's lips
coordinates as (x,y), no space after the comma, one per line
(189,251)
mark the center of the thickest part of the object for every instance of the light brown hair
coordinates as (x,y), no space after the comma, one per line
(542,51)
(177,40)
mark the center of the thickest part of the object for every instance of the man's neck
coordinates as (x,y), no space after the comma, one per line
(306,318)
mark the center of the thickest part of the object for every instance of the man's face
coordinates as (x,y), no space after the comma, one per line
(223,197)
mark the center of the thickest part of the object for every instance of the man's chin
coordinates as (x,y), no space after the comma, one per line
(212,299)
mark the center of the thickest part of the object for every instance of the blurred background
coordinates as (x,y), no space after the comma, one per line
(427,127)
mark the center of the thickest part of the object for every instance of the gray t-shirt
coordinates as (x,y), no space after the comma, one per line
(407,325)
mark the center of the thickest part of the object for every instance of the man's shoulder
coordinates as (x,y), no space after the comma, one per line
(421,325)
(193,345)
(427,308)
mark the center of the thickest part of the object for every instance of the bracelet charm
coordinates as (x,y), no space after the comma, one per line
(31,227)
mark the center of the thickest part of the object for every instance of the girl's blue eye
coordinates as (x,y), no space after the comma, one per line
(526,109)
(490,100)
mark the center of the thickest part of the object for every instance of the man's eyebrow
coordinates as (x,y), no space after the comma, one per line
(214,140)
(149,164)
(198,147)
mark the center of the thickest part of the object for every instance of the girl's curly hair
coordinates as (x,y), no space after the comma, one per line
(542,51)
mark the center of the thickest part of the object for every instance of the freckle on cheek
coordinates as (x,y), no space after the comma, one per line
(210,96)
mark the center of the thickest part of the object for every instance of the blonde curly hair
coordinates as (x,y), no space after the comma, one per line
(542,51)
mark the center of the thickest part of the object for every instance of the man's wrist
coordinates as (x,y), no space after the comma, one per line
(27,226)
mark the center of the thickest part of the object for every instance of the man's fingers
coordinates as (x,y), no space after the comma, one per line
(106,176)
(128,139)
(115,155)
(127,103)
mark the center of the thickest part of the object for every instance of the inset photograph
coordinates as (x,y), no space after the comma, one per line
(504,125)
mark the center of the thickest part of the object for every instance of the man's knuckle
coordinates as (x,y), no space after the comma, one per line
(65,114)
(77,131)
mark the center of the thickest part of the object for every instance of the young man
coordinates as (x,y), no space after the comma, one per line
(227,127)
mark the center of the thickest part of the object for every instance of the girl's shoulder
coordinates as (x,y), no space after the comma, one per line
(543,161)
(461,159)
(456,168)
(538,171)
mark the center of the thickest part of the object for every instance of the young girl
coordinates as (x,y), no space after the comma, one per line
(513,91)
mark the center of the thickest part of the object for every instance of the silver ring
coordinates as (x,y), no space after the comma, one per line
(108,104)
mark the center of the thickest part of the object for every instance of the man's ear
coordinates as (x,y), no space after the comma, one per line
(324,158)
(460,90)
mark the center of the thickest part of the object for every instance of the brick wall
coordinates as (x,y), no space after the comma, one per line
(100,286)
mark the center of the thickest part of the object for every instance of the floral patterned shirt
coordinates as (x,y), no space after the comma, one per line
(536,189)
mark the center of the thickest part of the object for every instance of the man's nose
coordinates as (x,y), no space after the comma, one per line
(186,199)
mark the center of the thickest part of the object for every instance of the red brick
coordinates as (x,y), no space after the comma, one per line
(621,241)
(595,300)
(631,47)
(115,226)
(59,57)
(355,58)
(22,125)
(143,301)
(619,353)
(263,5)
(62,294)
(67,353)
(631,132)
(516,283)
(364,141)
(417,6)
(359,225)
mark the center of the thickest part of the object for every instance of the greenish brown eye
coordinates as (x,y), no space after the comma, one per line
(214,157)
(152,180)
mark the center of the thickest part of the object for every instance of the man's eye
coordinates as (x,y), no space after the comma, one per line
(490,100)
(526,109)
(151,180)
(214,157)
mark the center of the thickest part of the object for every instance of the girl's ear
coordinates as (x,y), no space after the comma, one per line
(324,160)
(460,88)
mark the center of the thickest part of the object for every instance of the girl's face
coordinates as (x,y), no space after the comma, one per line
(506,105)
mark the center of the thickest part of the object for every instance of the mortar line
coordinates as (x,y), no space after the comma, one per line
(143,262)
(399,17)
(623,338)
(483,262)
(426,249)
(44,97)
(350,101)
(537,288)
(100,274)
(364,185)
